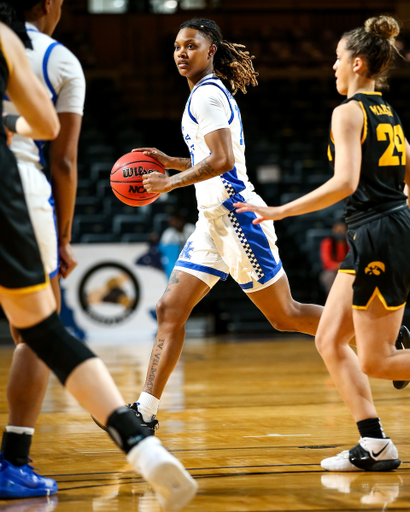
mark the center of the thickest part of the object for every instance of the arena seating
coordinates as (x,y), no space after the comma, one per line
(286,126)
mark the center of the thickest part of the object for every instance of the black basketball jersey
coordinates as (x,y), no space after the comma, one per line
(4,76)
(382,172)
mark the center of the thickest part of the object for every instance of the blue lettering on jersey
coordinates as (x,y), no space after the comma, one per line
(191,147)
(240,122)
(186,251)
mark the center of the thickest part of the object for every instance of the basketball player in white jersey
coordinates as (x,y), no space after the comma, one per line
(224,241)
(61,74)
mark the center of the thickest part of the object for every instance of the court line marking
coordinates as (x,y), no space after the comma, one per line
(210,476)
(208,468)
(190,469)
(256,447)
(282,435)
(200,477)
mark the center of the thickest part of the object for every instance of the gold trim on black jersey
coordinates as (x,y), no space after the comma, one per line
(27,289)
(378,294)
(364,136)
(371,93)
(347,271)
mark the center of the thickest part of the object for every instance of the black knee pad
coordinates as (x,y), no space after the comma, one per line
(53,344)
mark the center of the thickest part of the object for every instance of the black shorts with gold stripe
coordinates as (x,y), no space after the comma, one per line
(21,268)
(379,257)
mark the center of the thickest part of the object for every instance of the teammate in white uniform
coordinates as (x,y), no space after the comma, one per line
(224,241)
(61,74)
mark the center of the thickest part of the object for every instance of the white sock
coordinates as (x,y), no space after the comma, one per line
(20,430)
(148,406)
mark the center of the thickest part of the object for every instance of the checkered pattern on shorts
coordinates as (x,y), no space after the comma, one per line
(229,187)
(246,246)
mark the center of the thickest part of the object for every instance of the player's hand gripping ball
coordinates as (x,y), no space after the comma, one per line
(126,178)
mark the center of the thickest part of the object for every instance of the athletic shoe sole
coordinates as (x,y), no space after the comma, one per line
(380,465)
(11,490)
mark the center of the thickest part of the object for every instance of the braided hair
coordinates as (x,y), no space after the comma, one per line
(12,14)
(231,62)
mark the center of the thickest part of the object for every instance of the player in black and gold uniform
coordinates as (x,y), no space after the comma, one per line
(371,160)
(377,211)
(27,300)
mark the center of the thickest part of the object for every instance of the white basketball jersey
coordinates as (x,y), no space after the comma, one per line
(211,107)
(61,73)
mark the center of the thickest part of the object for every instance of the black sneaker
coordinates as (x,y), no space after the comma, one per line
(403,341)
(151,426)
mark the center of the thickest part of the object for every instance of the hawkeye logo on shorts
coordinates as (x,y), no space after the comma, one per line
(375,268)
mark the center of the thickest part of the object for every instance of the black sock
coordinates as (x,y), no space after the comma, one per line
(125,429)
(371,428)
(16,448)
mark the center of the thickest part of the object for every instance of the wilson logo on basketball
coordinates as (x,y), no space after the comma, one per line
(128,172)
(375,268)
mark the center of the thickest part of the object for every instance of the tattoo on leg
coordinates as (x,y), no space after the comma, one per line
(173,279)
(154,363)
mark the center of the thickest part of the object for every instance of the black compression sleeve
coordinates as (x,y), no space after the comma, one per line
(10,121)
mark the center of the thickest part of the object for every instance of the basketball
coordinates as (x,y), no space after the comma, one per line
(126,178)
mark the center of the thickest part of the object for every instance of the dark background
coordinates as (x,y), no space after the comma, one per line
(136,97)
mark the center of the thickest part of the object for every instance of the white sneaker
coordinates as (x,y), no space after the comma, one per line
(172,483)
(370,454)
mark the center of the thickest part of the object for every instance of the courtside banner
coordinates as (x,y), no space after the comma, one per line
(109,297)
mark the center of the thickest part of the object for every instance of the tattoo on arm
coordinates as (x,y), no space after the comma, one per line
(65,230)
(200,172)
(173,279)
(154,363)
(184,164)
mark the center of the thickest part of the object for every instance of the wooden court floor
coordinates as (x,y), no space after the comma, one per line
(250,420)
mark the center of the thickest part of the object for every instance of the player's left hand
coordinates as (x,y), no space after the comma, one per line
(68,261)
(263,212)
(156,182)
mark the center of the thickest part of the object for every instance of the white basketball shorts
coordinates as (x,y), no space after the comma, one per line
(40,204)
(231,244)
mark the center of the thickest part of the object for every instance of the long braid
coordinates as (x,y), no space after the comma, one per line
(231,62)
(12,14)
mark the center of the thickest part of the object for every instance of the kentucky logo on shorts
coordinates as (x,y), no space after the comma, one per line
(186,251)
(375,268)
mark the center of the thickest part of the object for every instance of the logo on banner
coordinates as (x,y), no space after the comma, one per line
(109,293)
